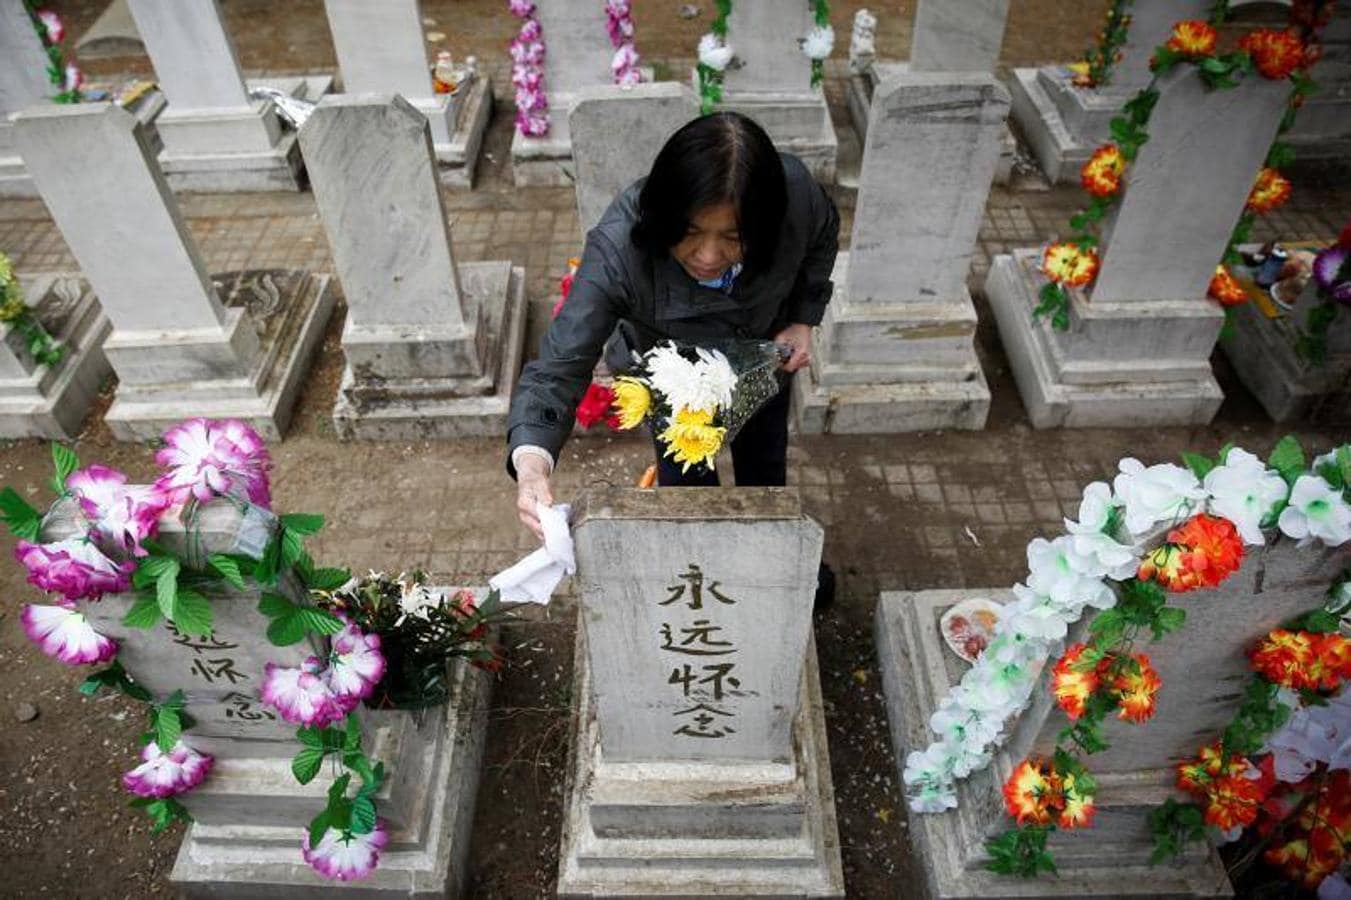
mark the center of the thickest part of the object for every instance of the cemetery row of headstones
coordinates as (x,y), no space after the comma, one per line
(896,351)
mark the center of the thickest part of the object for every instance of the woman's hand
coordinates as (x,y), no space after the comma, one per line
(799,337)
(532,488)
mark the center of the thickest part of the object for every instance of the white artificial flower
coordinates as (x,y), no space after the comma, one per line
(1244,491)
(956,724)
(819,42)
(1312,735)
(1329,457)
(1112,559)
(714,53)
(1095,509)
(1069,578)
(1160,493)
(1035,615)
(1316,510)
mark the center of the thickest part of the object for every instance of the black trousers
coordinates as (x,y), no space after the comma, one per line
(759,451)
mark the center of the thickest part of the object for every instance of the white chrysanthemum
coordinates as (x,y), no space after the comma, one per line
(1244,491)
(1095,509)
(819,42)
(714,53)
(1316,510)
(1160,493)
(704,384)
(716,380)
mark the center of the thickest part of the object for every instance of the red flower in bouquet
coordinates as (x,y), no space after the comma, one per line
(1225,289)
(1233,800)
(1030,793)
(1073,688)
(1197,775)
(464,605)
(1286,658)
(595,407)
(1276,54)
(1101,175)
(1334,652)
(1193,37)
(1218,542)
(1069,264)
(1137,691)
(1176,567)
(1269,191)
(1316,842)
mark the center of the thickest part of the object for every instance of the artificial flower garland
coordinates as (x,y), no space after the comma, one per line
(619,25)
(1096,68)
(66,77)
(17,314)
(819,41)
(1332,274)
(1073,262)
(1075,572)
(715,54)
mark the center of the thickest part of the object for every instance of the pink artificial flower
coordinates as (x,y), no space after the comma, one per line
(208,459)
(52,24)
(345,856)
(532,125)
(121,514)
(521,8)
(527,78)
(63,633)
(300,695)
(74,78)
(625,66)
(620,28)
(527,52)
(529,101)
(166,774)
(531,31)
(356,666)
(74,568)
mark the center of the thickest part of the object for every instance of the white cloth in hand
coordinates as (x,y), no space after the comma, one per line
(533,579)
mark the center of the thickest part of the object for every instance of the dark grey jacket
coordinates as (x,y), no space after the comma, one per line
(654,299)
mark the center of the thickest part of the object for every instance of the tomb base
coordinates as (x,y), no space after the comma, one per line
(1061,124)
(281,317)
(52,402)
(798,124)
(1110,860)
(459,141)
(700,829)
(373,407)
(1119,364)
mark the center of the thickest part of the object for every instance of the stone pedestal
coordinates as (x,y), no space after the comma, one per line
(181,345)
(896,349)
(1064,124)
(699,758)
(215,137)
(381,50)
(1137,351)
(770,81)
(51,402)
(1203,667)
(578,58)
(433,348)
(1289,387)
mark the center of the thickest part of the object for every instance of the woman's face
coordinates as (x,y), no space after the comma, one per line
(712,244)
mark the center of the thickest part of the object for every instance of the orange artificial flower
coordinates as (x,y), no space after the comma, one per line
(1269,191)
(1218,542)
(1335,653)
(1276,54)
(1197,775)
(1136,692)
(1069,264)
(1028,793)
(1233,800)
(1225,289)
(1174,566)
(1193,37)
(1317,840)
(1072,688)
(1078,809)
(1286,658)
(1101,175)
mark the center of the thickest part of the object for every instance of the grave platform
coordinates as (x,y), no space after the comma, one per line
(1062,124)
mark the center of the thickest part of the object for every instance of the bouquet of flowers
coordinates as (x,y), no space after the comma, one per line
(698,397)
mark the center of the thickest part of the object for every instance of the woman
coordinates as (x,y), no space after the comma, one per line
(725,238)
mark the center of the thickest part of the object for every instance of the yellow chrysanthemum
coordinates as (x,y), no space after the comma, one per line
(1101,175)
(632,401)
(1193,37)
(691,438)
(1270,190)
(1070,264)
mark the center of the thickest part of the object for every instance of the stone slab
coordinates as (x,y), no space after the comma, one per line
(798,124)
(579,52)
(457,161)
(23,72)
(766,39)
(380,47)
(112,34)
(1058,152)
(958,35)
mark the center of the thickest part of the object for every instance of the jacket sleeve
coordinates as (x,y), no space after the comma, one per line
(544,404)
(812,290)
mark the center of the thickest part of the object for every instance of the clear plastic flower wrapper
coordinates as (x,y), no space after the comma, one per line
(698,395)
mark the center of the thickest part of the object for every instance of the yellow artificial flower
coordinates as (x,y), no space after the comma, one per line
(1069,264)
(691,438)
(633,401)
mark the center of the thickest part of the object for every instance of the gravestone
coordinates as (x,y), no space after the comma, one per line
(181,345)
(617,133)
(1064,124)
(896,349)
(948,36)
(23,82)
(1203,668)
(433,347)
(770,80)
(215,137)
(381,50)
(579,55)
(1137,350)
(250,814)
(699,764)
(52,401)
(1322,130)
(1264,353)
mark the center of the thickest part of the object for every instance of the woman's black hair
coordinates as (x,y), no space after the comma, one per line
(722,158)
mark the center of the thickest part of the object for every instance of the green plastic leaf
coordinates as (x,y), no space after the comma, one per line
(1344,463)
(286,630)
(166,587)
(1199,464)
(270,565)
(319,621)
(1169,619)
(292,547)
(363,815)
(1287,458)
(306,764)
(192,613)
(272,604)
(23,521)
(144,613)
(338,789)
(319,827)
(228,569)
(65,462)
(329,579)
(115,677)
(303,523)
(168,727)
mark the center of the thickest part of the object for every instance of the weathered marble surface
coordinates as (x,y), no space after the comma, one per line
(958,35)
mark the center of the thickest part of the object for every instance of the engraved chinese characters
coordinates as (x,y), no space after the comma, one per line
(711,687)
